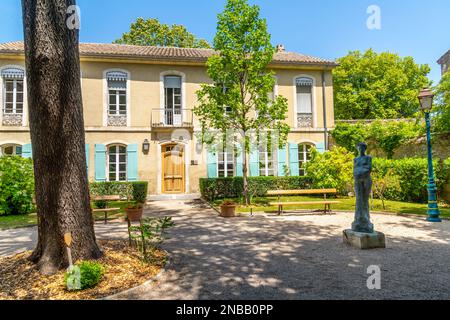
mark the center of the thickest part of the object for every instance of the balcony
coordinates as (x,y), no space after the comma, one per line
(172,118)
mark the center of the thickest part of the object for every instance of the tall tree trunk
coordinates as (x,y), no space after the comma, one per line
(57,135)
(246,193)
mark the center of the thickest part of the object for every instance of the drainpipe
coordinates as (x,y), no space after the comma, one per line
(324,99)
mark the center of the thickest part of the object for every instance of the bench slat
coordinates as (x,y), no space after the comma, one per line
(106,210)
(301,192)
(106,198)
(302,203)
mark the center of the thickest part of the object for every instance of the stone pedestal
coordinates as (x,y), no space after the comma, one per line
(364,241)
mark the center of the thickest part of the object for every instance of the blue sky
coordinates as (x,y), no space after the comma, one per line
(325,28)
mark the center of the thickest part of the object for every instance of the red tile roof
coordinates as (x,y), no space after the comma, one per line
(166,53)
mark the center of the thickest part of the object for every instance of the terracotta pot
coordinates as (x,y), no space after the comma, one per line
(134,215)
(228,211)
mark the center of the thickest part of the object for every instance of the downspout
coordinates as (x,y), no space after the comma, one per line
(324,99)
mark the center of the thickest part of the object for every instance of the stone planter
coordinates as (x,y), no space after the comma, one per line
(134,215)
(228,211)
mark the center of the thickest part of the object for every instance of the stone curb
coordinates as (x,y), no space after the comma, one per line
(164,270)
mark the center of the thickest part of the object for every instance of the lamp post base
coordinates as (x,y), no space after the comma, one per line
(434,219)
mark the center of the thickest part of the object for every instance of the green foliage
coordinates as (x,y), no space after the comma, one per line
(16,186)
(378,86)
(140,191)
(412,174)
(241,82)
(332,169)
(90,274)
(150,234)
(384,182)
(387,136)
(221,188)
(123,189)
(443,105)
(151,32)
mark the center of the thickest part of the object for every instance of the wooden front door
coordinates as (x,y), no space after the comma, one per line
(173,169)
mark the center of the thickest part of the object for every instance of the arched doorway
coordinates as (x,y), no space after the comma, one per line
(173,169)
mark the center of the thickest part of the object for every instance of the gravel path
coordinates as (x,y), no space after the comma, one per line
(297,256)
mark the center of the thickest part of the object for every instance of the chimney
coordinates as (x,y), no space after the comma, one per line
(280,48)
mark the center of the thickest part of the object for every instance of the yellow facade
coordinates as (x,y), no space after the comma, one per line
(146,93)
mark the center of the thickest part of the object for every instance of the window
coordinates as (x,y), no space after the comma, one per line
(172,100)
(226,164)
(267,160)
(117,163)
(304,102)
(304,156)
(117,93)
(13,91)
(11,150)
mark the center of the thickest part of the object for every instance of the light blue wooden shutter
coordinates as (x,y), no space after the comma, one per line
(320,147)
(27,151)
(293,160)
(100,162)
(254,163)
(240,161)
(281,161)
(212,165)
(87,158)
(132,162)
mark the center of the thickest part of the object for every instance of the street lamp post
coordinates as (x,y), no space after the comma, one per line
(426,104)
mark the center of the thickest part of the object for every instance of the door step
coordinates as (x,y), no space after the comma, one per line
(160,197)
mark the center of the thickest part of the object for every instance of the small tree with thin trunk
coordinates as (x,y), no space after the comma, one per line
(57,134)
(239,97)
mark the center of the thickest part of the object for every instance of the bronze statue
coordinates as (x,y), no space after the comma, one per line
(363,187)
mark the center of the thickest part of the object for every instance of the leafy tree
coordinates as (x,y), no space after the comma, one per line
(386,135)
(151,32)
(241,80)
(377,86)
(57,134)
(443,104)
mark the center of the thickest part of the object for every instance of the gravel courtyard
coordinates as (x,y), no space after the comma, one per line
(297,256)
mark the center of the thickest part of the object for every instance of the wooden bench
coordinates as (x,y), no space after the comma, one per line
(327,203)
(106,210)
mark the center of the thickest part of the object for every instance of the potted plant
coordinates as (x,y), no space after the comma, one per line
(134,211)
(135,208)
(228,209)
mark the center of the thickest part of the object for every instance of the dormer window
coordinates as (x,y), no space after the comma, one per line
(13,96)
(304,88)
(117,98)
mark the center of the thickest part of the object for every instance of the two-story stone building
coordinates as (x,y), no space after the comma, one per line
(138,105)
(444,61)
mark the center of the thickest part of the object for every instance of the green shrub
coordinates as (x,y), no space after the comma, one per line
(140,190)
(332,169)
(90,274)
(16,186)
(221,188)
(123,189)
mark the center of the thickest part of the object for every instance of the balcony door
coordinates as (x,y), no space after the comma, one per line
(173,169)
(173,96)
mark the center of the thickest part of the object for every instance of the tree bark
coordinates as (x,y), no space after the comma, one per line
(57,135)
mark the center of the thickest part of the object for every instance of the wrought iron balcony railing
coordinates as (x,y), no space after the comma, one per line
(172,118)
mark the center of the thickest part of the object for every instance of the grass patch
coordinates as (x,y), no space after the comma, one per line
(29,220)
(347,204)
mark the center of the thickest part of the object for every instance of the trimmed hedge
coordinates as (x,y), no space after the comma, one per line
(127,190)
(221,188)
(413,177)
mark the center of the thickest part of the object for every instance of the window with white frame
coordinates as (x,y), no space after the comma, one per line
(173,99)
(117,98)
(117,163)
(304,87)
(267,159)
(11,150)
(13,96)
(226,163)
(304,156)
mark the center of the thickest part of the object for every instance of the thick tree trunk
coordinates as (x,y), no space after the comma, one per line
(246,193)
(57,135)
